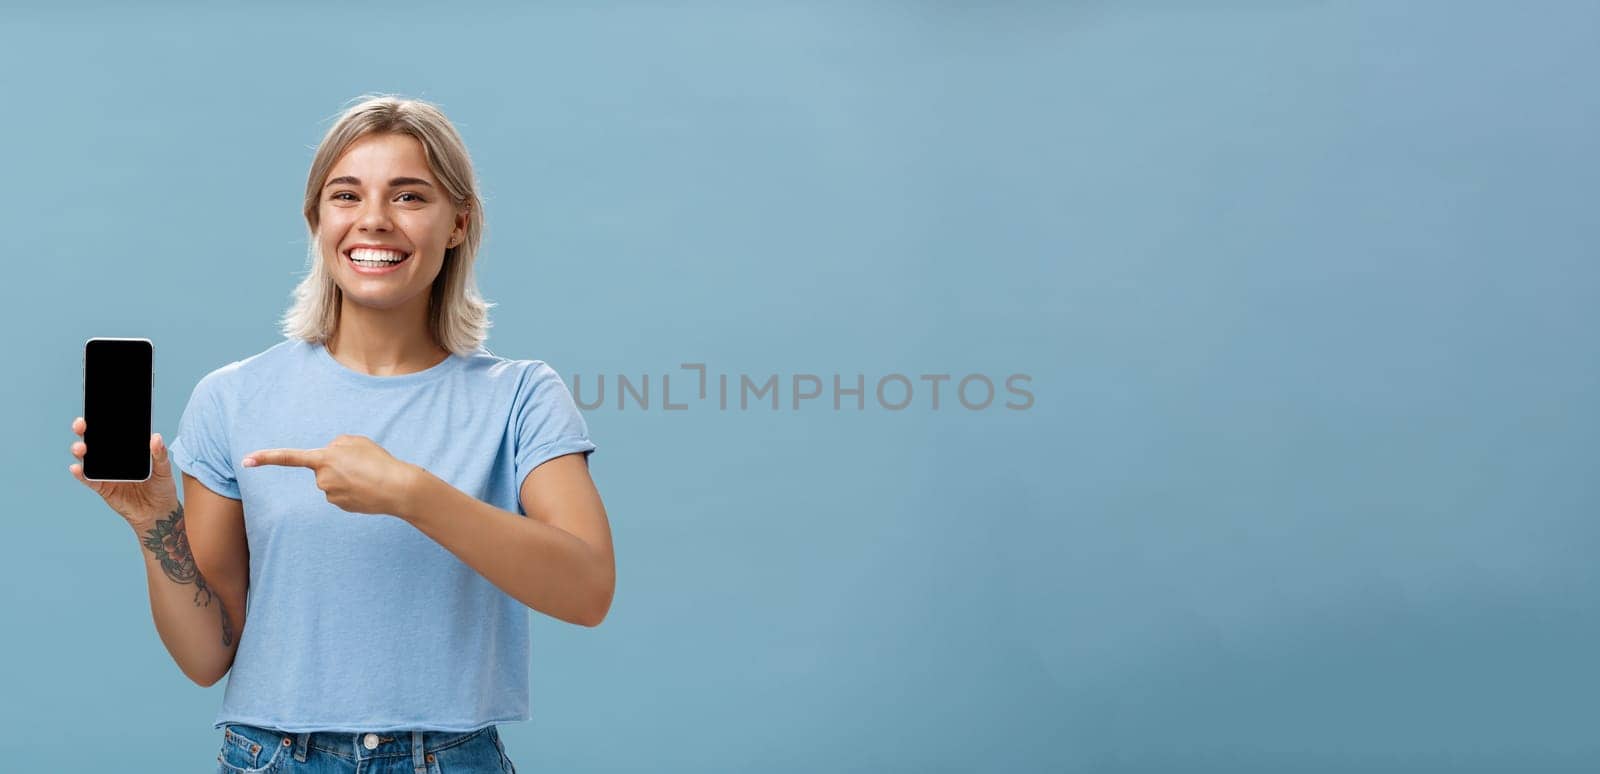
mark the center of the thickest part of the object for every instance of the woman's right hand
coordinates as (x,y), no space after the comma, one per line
(141,503)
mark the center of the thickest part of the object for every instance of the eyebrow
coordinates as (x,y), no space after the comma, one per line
(395,183)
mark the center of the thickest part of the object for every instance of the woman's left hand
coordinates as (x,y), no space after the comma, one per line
(357,474)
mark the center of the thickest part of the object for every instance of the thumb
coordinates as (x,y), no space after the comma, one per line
(159,463)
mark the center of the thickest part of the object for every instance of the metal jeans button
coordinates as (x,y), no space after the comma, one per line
(370,742)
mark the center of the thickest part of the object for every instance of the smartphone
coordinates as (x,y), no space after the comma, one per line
(118,375)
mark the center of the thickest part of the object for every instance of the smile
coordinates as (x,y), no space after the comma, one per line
(367,261)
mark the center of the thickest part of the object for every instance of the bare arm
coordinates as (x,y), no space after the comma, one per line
(198,621)
(558,561)
(197,602)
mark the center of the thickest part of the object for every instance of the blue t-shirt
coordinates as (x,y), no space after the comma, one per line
(360,622)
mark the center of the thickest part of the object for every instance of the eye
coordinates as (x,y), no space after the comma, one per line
(339,194)
(418,198)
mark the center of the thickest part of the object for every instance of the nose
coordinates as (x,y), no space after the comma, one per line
(374,216)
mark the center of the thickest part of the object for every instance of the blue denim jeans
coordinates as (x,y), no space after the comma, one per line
(254,750)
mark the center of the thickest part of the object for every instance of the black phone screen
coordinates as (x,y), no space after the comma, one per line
(117,376)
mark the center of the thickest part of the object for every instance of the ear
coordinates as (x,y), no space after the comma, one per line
(459,233)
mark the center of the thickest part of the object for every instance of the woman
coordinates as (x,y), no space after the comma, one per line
(367,480)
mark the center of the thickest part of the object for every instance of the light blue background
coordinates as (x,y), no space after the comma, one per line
(1307,293)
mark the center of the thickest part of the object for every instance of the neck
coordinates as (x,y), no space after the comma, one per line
(385,342)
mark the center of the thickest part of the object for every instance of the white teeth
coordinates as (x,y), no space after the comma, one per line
(367,256)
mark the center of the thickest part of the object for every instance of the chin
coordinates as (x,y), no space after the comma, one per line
(380,301)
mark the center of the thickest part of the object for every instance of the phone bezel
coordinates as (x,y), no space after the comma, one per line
(83,389)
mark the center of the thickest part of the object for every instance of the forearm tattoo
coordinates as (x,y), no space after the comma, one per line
(169,541)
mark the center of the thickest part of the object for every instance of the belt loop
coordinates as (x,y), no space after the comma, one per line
(418,763)
(300,741)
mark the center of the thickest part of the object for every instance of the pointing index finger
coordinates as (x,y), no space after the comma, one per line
(305,458)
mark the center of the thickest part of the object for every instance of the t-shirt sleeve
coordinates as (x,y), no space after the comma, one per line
(201,448)
(548,424)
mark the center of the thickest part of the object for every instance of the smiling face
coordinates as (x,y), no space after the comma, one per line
(385,222)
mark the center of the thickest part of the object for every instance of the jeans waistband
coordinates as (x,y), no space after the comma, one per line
(415,744)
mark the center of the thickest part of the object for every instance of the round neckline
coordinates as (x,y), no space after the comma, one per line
(435,371)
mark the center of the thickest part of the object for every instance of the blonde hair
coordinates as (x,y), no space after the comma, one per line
(458,316)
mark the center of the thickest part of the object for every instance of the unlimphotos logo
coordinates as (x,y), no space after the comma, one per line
(893,392)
